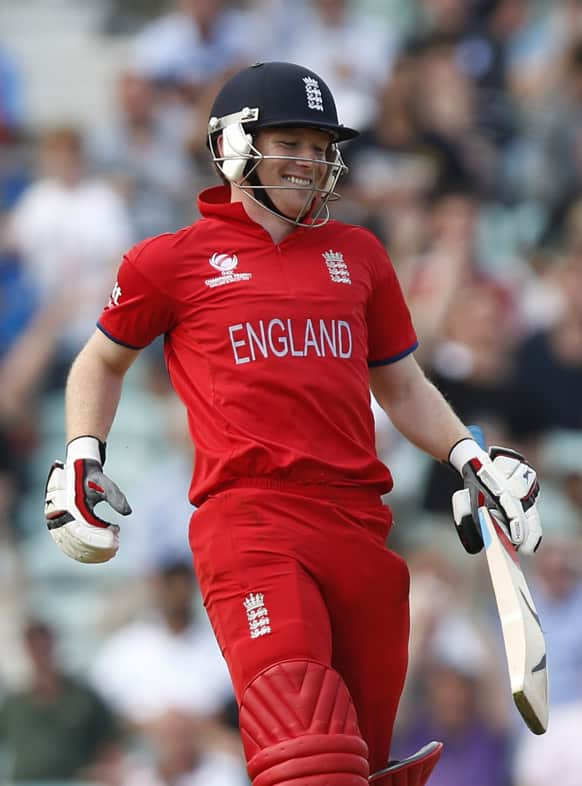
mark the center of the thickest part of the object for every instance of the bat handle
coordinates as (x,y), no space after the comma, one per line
(478,436)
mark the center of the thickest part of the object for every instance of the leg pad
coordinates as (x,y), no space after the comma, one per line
(299,728)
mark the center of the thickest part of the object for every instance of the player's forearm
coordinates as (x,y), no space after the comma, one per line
(94,387)
(427,420)
(92,396)
(416,408)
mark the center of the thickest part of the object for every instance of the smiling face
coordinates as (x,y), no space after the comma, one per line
(293,167)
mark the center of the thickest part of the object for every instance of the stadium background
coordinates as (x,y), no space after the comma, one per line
(470,170)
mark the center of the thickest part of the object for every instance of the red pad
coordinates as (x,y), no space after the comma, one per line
(413,771)
(299,728)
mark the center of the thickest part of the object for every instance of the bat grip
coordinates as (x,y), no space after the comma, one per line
(478,436)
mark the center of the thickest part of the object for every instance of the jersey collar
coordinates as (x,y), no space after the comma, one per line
(214,202)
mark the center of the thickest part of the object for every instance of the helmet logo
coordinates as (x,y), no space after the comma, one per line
(314,97)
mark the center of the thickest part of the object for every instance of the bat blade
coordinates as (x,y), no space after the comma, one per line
(523,637)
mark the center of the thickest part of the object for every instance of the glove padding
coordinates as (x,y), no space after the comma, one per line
(507,485)
(73,489)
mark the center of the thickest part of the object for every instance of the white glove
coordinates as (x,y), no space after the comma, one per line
(506,484)
(72,491)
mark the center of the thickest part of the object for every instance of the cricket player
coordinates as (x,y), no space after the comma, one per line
(277,322)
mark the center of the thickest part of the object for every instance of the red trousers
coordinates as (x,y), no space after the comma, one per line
(319,584)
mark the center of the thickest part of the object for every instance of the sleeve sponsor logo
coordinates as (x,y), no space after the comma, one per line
(114,296)
(280,338)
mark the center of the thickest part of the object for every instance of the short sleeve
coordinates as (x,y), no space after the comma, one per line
(391,334)
(139,309)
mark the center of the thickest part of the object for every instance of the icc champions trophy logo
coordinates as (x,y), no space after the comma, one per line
(226,264)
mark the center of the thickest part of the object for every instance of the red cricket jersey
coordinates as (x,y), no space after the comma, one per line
(267,345)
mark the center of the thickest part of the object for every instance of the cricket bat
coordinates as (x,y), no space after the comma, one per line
(523,637)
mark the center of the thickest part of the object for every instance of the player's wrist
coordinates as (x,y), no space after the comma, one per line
(86,447)
(463,451)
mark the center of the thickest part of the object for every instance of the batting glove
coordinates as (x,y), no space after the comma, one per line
(73,489)
(506,484)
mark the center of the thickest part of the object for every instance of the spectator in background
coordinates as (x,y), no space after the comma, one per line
(557,586)
(11,98)
(540,300)
(450,19)
(23,367)
(561,454)
(167,661)
(193,45)
(14,174)
(277,24)
(480,35)
(537,55)
(29,333)
(145,156)
(17,292)
(544,79)
(395,164)
(155,501)
(13,568)
(352,51)
(472,363)
(451,684)
(548,366)
(557,756)
(70,229)
(56,727)
(454,690)
(448,105)
(561,130)
(126,16)
(572,228)
(187,53)
(177,752)
(445,264)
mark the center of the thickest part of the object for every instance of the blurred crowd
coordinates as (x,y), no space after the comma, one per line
(469,168)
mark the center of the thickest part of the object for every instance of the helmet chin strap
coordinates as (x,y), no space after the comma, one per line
(261,195)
